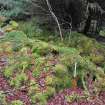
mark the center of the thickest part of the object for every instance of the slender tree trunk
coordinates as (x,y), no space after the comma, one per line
(55,18)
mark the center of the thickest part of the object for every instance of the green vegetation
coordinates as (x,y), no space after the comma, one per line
(2,98)
(13,8)
(17,102)
(42,69)
(36,67)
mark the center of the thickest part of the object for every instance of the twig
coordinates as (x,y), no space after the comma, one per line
(75,70)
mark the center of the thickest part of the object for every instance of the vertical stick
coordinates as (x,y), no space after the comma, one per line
(55,18)
(75,70)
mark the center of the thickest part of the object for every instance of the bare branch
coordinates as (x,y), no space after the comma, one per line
(55,18)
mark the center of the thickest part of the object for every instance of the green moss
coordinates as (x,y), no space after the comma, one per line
(50,91)
(97,59)
(41,48)
(39,98)
(81,50)
(36,73)
(60,70)
(19,80)
(67,82)
(17,102)
(70,59)
(16,36)
(49,80)
(2,98)
(8,72)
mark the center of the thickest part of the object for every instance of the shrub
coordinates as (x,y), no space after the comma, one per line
(13,8)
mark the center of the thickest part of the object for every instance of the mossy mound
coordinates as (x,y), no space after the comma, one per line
(44,69)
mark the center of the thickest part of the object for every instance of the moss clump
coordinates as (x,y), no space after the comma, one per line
(8,47)
(49,80)
(8,72)
(60,70)
(39,98)
(17,102)
(2,98)
(97,59)
(50,91)
(40,48)
(19,80)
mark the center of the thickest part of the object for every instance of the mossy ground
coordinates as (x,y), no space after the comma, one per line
(42,65)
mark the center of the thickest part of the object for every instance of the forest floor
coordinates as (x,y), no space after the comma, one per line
(46,71)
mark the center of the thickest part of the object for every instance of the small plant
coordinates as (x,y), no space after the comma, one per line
(19,80)
(60,70)
(49,80)
(7,46)
(31,28)
(17,102)
(17,38)
(8,72)
(40,99)
(50,91)
(2,98)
